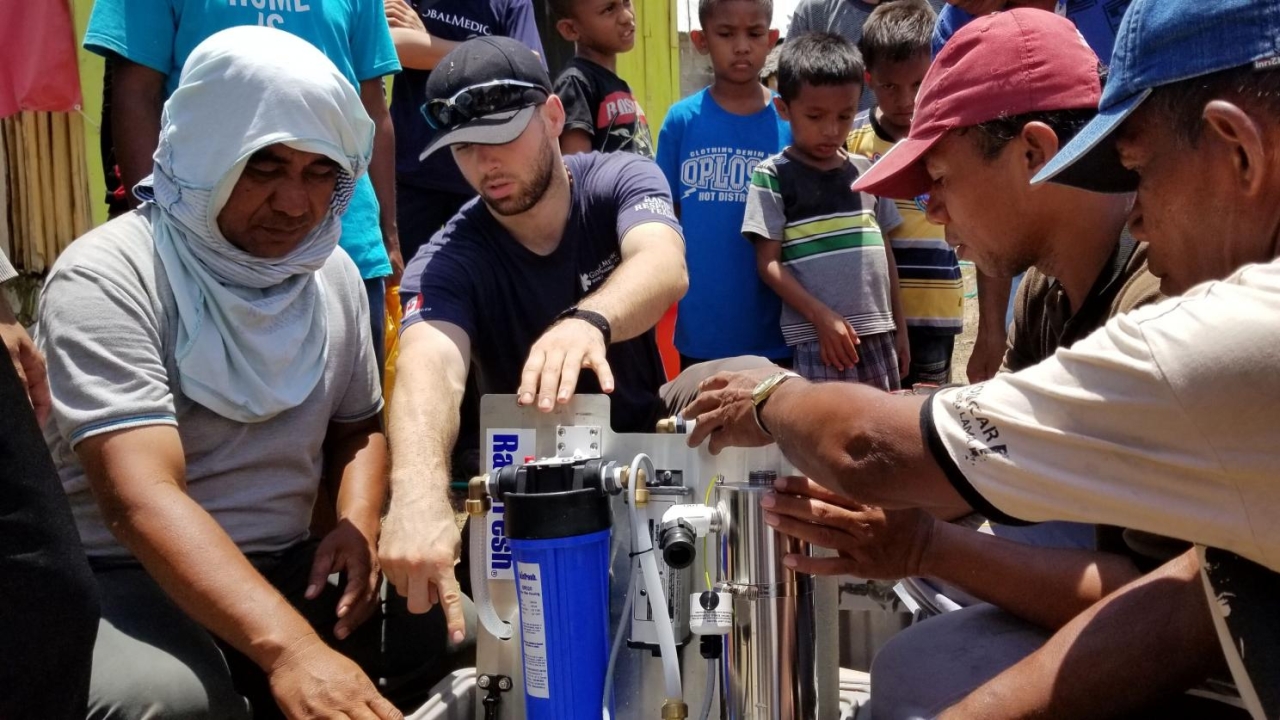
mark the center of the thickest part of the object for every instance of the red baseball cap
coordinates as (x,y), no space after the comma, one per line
(1000,65)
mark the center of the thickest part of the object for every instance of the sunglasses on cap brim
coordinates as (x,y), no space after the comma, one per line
(480,100)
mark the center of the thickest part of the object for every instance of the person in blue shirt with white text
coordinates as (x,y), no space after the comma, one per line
(709,144)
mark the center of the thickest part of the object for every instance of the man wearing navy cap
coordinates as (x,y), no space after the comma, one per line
(1163,420)
(561,264)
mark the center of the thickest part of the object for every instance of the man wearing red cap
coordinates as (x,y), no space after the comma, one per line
(986,124)
(1000,101)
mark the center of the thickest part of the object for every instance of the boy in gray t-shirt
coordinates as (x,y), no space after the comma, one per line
(819,244)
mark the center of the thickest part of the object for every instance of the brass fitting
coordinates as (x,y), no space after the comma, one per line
(667,426)
(642,496)
(674,710)
(478,496)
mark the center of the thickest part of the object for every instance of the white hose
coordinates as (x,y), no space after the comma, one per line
(617,645)
(710,691)
(480,582)
(642,546)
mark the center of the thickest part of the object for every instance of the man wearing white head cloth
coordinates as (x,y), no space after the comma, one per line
(210,365)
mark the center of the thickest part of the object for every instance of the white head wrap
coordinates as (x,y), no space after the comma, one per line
(253,332)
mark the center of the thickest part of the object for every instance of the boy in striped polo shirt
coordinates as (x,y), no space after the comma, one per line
(820,245)
(895,49)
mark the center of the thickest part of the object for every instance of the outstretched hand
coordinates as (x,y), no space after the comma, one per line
(725,413)
(550,375)
(872,543)
(348,550)
(315,681)
(419,547)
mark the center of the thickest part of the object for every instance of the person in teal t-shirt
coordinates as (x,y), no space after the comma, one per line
(148,42)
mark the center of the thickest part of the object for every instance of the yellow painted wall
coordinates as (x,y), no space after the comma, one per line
(652,69)
(91,87)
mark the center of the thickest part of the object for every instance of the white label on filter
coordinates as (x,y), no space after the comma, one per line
(711,613)
(503,447)
(533,630)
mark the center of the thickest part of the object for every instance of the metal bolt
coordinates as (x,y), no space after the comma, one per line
(595,446)
(504,683)
(592,431)
(483,682)
(560,431)
(560,446)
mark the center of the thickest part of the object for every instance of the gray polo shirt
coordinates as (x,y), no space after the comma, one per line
(109,331)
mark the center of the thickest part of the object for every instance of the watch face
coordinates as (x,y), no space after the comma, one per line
(762,389)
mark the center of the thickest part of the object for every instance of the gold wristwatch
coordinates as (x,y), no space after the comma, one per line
(764,389)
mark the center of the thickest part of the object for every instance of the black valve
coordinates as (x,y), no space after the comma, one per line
(676,540)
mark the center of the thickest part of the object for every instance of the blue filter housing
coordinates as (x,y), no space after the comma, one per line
(560,543)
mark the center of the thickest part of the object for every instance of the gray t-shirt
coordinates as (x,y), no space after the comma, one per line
(109,330)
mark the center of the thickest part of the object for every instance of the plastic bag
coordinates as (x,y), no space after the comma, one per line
(392,344)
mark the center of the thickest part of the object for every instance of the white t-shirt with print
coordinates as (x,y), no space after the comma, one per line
(1166,420)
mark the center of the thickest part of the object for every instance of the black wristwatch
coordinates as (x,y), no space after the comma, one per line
(595,319)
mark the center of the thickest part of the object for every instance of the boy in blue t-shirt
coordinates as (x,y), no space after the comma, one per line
(819,244)
(708,147)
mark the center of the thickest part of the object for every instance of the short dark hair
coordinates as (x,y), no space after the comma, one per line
(561,9)
(896,32)
(817,59)
(706,7)
(1181,104)
(993,135)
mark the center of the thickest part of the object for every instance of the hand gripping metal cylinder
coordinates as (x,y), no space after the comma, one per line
(772,669)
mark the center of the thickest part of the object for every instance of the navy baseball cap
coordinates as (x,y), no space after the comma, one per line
(1161,42)
(484,91)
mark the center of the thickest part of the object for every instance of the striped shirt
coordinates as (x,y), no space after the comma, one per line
(831,237)
(7,272)
(928,271)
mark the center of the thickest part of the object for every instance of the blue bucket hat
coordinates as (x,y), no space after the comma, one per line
(1161,42)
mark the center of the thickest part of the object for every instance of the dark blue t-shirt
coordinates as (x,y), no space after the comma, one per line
(707,155)
(1097,21)
(473,274)
(455,20)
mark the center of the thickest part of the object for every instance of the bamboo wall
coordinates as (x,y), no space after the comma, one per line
(43,182)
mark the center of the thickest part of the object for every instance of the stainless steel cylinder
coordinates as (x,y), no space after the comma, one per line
(771,662)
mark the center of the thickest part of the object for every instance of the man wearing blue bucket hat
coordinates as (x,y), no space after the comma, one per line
(1163,420)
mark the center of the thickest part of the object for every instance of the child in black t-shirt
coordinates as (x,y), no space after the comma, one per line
(600,111)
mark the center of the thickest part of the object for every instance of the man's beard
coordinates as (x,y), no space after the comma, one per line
(531,194)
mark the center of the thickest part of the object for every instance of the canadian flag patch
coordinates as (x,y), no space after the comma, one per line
(414,303)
